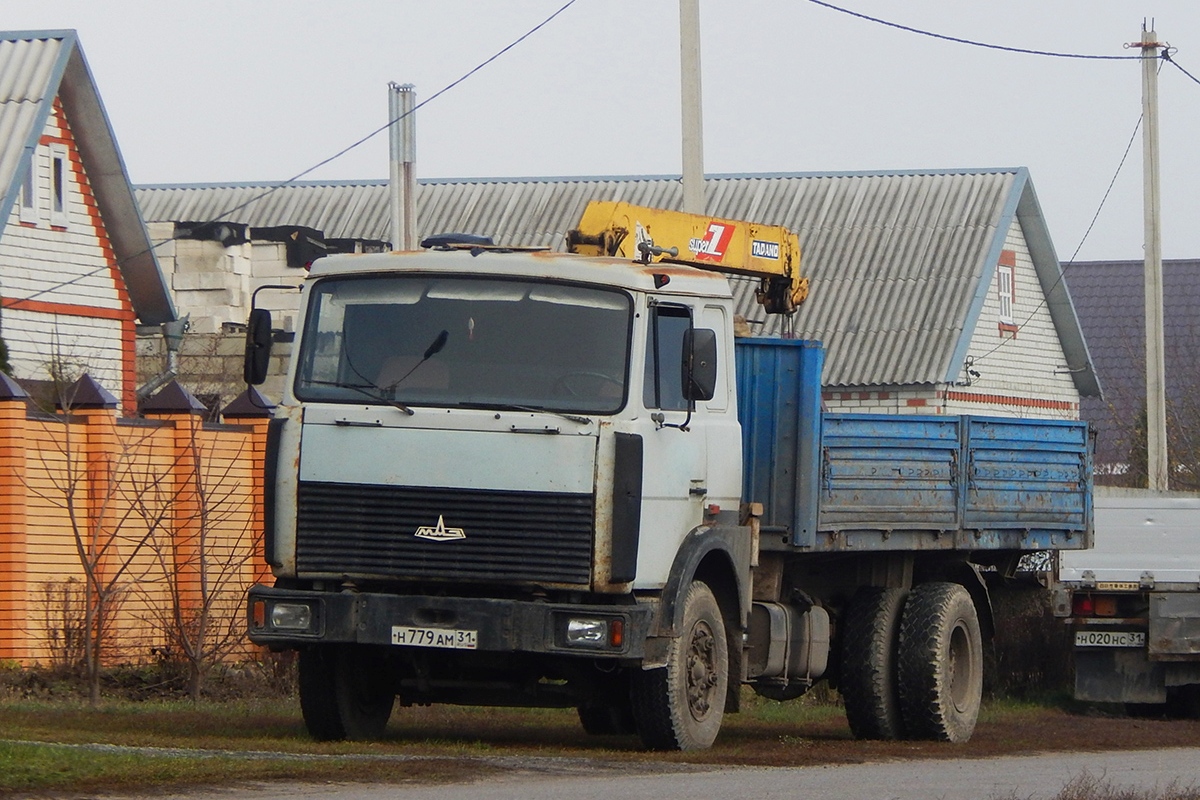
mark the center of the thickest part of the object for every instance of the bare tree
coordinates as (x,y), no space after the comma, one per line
(200,561)
(86,484)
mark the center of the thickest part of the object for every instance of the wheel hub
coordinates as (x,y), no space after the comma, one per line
(702,676)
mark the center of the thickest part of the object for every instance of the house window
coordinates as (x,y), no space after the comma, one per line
(59,182)
(1004,286)
(28,203)
(1006,291)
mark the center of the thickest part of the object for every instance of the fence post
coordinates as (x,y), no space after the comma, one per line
(14,609)
(97,407)
(179,407)
(253,409)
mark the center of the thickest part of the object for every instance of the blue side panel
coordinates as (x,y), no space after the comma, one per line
(862,482)
(779,408)
(886,472)
(1027,474)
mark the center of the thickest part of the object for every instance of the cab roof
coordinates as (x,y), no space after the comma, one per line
(615,272)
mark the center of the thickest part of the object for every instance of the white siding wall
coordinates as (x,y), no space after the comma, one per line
(78,344)
(1029,365)
(39,260)
(50,265)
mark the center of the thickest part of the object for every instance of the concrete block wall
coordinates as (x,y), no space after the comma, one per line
(210,365)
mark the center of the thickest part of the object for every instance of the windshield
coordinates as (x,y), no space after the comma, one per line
(507,343)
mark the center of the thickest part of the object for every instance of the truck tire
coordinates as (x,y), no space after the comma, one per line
(870,638)
(344,693)
(680,706)
(940,659)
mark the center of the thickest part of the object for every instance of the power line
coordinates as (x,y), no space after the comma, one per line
(1166,54)
(15,301)
(972,42)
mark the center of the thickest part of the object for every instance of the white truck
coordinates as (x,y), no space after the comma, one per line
(1133,601)
(501,477)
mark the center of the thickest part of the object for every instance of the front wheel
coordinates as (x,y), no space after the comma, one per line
(680,706)
(344,692)
(940,677)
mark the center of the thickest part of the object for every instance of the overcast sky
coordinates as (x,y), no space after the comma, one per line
(259,90)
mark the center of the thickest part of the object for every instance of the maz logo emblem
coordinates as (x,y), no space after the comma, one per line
(440,533)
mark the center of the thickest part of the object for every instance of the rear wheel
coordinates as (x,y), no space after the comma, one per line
(344,692)
(940,676)
(680,706)
(870,637)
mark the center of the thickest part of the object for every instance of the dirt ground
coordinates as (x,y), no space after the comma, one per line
(772,735)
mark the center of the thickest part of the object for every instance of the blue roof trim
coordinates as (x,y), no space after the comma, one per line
(69,41)
(720,176)
(1057,295)
(54,33)
(986,273)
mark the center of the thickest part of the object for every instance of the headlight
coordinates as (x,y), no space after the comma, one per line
(291,616)
(587,632)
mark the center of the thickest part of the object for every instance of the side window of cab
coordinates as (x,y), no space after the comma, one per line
(663,385)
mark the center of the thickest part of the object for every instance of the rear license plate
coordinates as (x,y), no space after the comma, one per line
(446,638)
(1110,638)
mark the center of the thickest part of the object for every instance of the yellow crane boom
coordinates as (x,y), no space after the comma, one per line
(768,252)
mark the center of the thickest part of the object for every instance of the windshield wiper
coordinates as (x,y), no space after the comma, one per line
(434,348)
(362,388)
(532,409)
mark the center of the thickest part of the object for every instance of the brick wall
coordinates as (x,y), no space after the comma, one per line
(156,501)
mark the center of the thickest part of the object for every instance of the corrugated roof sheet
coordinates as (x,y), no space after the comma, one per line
(895,258)
(26,69)
(1108,297)
(35,67)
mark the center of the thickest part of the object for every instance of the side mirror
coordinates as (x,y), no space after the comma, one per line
(699,364)
(258,346)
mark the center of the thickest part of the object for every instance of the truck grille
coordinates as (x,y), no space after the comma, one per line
(368,531)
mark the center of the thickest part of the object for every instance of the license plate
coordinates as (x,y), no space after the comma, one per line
(446,638)
(1110,638)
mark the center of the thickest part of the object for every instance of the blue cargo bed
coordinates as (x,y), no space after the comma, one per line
(854,482)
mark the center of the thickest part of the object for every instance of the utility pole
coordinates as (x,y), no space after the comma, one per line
(1156,393)
(402,178)
(693,124)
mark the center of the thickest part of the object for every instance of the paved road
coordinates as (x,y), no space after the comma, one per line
(1009,777)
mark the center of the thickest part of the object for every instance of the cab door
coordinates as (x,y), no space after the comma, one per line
(674,442)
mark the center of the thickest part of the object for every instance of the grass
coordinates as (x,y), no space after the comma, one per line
(264,739)
(28,767)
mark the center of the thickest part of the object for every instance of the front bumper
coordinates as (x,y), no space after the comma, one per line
(510,626)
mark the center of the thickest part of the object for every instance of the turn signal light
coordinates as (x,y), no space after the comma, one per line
(258,614)
(1105,606)
(616,633)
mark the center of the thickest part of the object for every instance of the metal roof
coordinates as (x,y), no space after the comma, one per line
(1109,296)
(900,262)
(35,67)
